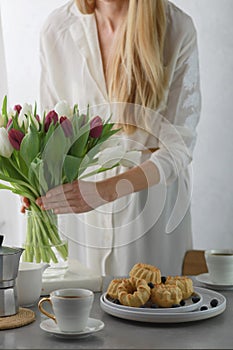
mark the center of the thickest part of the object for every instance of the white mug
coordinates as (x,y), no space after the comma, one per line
(29,282)
(71,308)
(220,265)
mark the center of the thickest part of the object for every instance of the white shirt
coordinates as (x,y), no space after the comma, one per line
(154,225)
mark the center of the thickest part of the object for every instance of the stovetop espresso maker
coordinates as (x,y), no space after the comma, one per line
(9,265)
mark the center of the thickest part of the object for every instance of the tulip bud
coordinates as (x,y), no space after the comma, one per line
(15,137)
(66,126)
(25,111)
(51,117)
(96,127)
(17,108)
(63,109)
(6,148)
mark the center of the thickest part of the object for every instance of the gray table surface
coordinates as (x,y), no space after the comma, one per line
(212,333)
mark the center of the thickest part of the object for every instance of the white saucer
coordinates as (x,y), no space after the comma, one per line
(93,325)
(205,279)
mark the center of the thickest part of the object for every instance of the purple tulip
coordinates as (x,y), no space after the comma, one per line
(15,138)
(66,126)
(51,117)
(17,108)
(96,126)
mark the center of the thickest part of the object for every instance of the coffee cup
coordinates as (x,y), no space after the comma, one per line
(220,265)
(29,282)
(71,308)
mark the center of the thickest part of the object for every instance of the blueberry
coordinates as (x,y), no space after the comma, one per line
(195,299)
(163,279)
(203,308)
(176,305)
(116,301)
(151,285)
(214,302)
(154,306)
(182,303)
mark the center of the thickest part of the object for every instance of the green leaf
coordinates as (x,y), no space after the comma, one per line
(97,171)
(53,155)
(4,111)
(36,176)
(71,167)
(30,147)
(22,165)
(78,148)
(4,106)
(5,187)
(105,137)
(35,109)
(9,171)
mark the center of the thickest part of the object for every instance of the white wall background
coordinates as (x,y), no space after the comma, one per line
(212,201)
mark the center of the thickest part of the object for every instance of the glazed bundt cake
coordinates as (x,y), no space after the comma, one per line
(166,295)
(183,282)
(147,272)
(112,290)
(134,292)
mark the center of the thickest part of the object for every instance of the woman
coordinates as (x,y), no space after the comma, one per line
(142,55)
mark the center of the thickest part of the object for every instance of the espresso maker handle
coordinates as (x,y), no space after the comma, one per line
(1,239)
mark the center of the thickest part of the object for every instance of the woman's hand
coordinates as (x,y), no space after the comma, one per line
(83,196)
(25,204)
(75,197)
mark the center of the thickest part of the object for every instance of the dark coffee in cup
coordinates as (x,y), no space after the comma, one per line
(220,265)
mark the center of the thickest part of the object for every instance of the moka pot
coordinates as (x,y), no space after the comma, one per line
(9,265)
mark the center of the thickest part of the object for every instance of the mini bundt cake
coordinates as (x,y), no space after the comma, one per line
(166,295)
(134,292)
(112,290)
(147,272)
(183,282)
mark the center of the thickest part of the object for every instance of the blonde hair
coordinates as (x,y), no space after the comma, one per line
(136,72)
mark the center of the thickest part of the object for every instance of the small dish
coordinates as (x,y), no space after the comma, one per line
(93,325)
(204,278)
(189,306)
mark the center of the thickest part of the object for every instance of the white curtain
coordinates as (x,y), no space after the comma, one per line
(9,204)
(3,74)
(20,23)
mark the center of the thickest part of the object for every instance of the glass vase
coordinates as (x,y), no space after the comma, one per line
(45,241)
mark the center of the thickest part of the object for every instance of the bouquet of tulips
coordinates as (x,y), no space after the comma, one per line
(39,152)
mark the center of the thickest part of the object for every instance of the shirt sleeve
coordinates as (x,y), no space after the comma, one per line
(177,135)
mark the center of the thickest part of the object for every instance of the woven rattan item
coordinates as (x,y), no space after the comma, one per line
(22,318)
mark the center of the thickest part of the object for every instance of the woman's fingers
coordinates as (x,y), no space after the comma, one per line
(58,194)
(76,197)
(25,204)
(60,190)
(22,209)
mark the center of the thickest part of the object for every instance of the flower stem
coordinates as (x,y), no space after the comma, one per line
(42,237)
